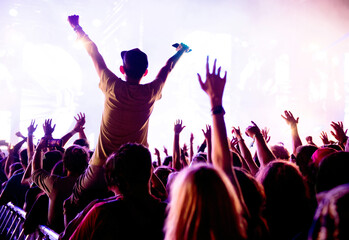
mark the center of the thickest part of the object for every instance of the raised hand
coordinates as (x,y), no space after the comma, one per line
(48,129)
(324,138)
(252,130)
(73,20)
(207,133)
(214,84)
(165,151)
(309,140)
(237,133)
(156,152)
(42,144)
(339,132)
(265,132)
(32,127)
(233,142)
(191,137)
(80,122)
(178,126)
(19,134)
(290,120)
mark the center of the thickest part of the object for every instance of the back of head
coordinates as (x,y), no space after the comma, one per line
(135,63)
(333,171)
(331,219)
(50,159)
(204,205)
(129,167)
(280,152)
(288,204)
(303,158)
(23,156)
(75,159)
(167,161)
(82,142)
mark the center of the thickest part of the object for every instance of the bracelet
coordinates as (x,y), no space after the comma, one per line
(217,110)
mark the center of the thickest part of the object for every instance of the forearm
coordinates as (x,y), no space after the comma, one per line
(209,151)
(67,136)
(246,154)
(265,155)
(296,141)
(91,49)
(82,134)
(191,152)
(36,163)
(171,62)
(176,161)
(30,146)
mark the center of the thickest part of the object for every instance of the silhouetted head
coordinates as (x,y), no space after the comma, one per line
(50,159)
(320,154)
(129,168)
(135,63)
(280,152)
(199,158)
(82,142)
(75,159)
(204,205)
(333,171)
(303,158)
(288,205)
(23,156)
(163,172)
(167,161)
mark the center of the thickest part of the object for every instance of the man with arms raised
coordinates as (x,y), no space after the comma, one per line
(128,106)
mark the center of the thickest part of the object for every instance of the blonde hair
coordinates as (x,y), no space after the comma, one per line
(204,205)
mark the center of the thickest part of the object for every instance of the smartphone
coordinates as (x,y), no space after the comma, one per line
(54,143)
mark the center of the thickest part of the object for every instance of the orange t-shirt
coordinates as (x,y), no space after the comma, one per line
(125,118)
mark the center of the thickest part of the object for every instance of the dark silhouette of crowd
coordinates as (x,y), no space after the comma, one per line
(221,190)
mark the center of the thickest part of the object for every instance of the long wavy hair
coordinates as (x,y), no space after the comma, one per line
(204,205)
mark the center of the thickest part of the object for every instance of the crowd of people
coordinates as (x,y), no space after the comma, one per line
(221,190)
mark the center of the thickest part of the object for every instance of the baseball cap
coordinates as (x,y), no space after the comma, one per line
(135,62)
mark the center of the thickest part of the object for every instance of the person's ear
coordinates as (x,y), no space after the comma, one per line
(122,70)
(145,73)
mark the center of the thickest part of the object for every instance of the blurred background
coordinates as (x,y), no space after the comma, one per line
(279,55)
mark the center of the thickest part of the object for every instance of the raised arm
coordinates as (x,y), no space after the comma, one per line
(157,154)
(245,152)
(214,87)
(48,128)
(90,46)
(292,122)
(37,159)
(172,61)
(208,138)
(78,128)
(176,158)
(191,147)
(339,133)
(31,129)
(264,154)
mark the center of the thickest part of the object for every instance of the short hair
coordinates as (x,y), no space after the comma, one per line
(167,161)
(204,205)
(75,159)
(50,159)
(129,166)
(135,62)
(82,142)
(280,152)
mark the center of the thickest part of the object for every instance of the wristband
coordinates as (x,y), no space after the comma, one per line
(217,110)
